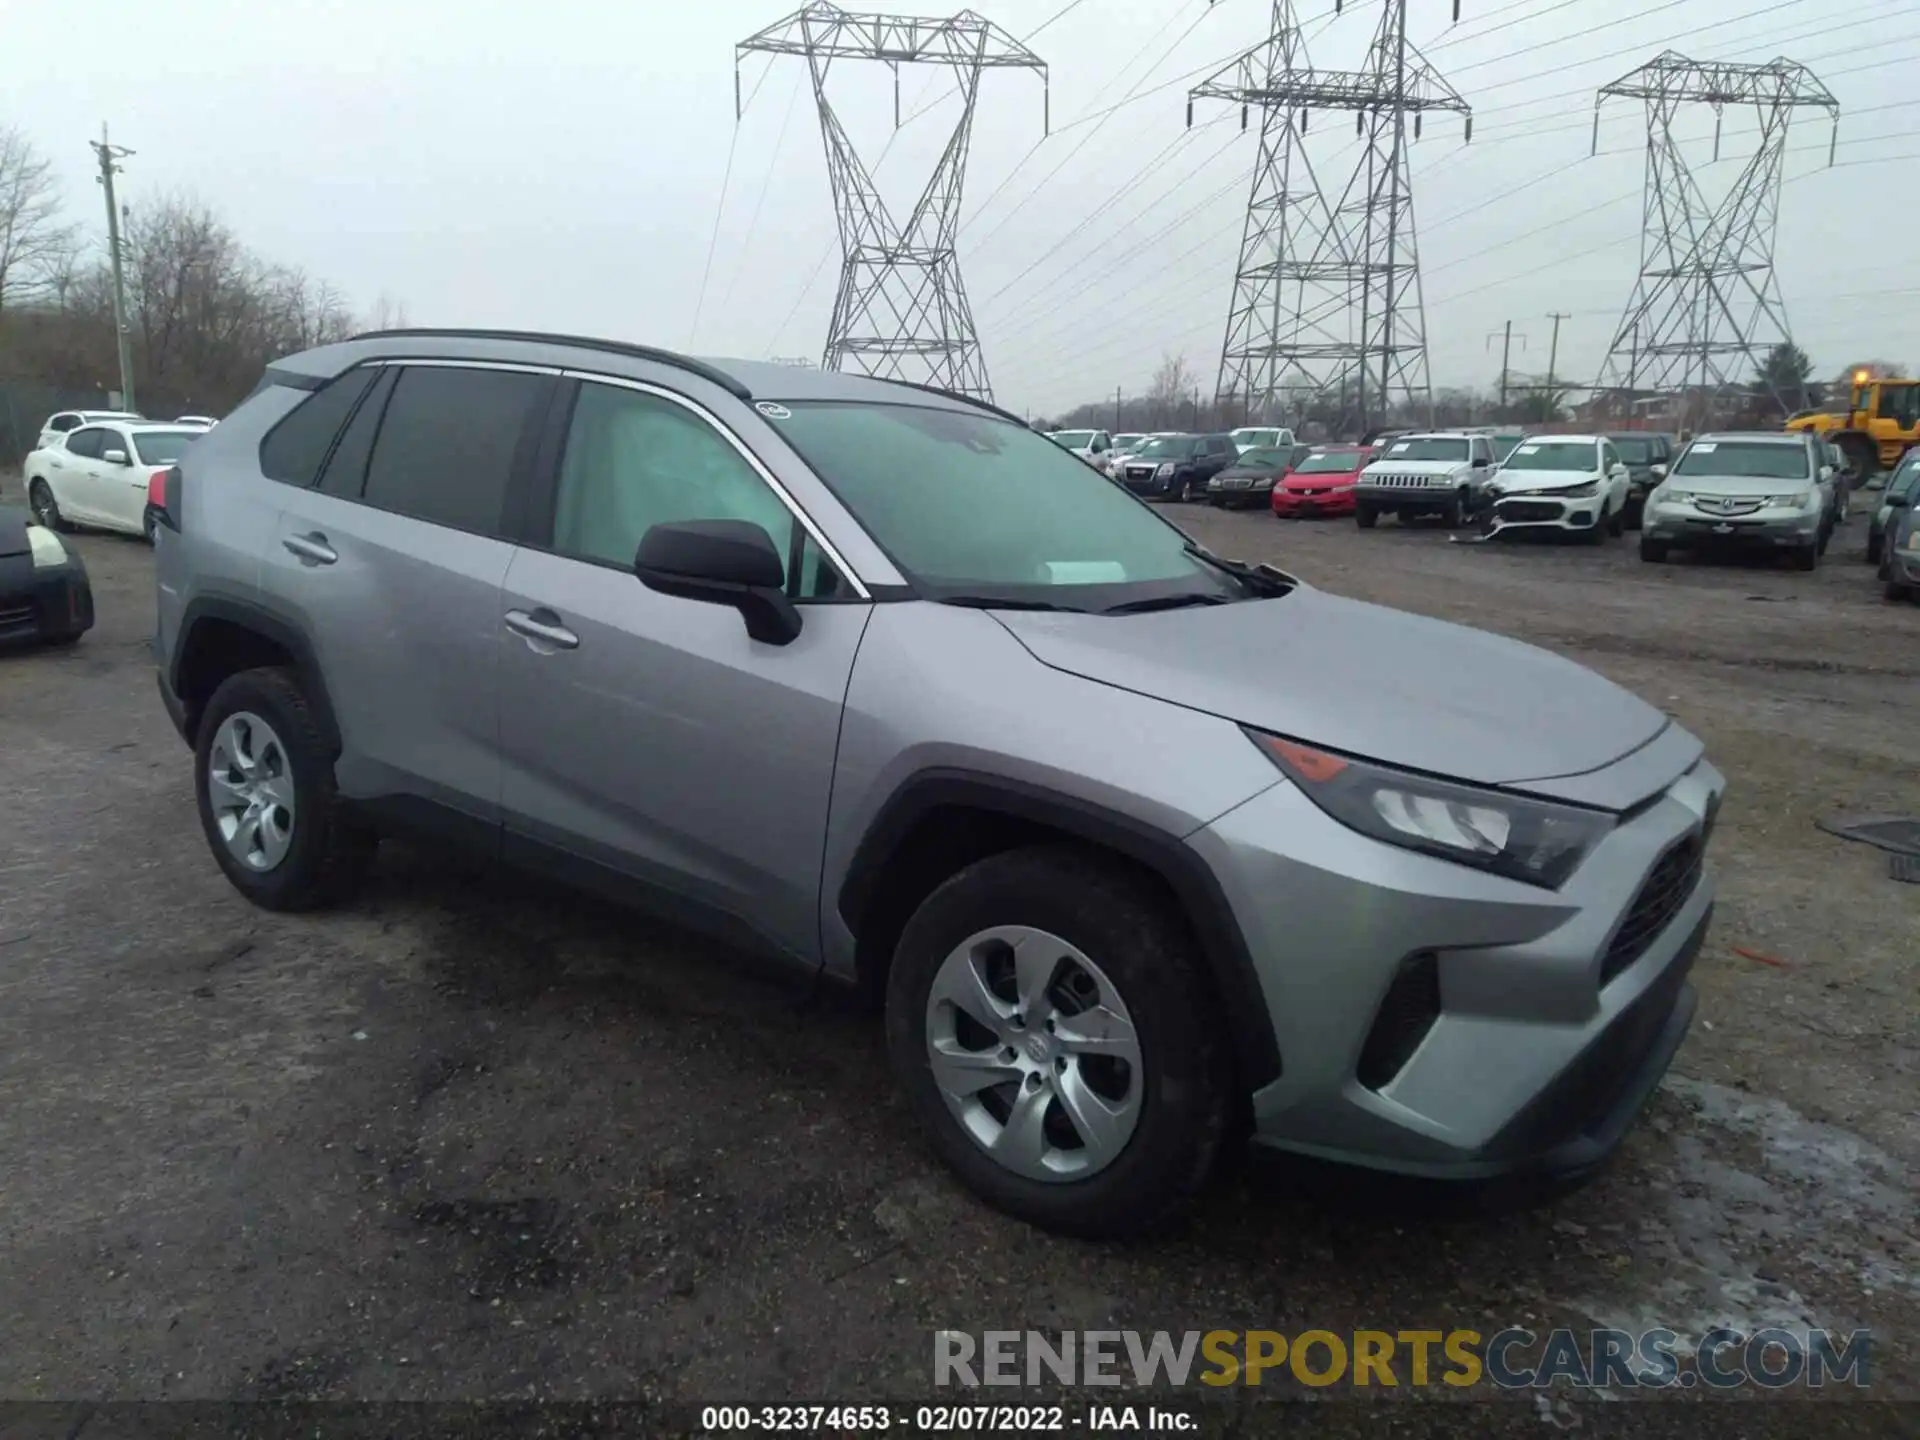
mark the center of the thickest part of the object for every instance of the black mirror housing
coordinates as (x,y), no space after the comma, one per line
(721,562)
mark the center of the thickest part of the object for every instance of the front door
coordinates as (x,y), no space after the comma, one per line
(649,739)
(394,562)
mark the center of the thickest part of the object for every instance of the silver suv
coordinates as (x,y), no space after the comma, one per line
(1135,844)
(1759,492)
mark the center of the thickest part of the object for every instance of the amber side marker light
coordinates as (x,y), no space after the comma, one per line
(1309,764)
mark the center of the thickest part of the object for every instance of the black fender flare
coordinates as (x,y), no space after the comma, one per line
(1194,886)
(269,625)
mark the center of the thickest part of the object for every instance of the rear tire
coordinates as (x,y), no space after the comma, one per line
(1654,552)
(1179,1099)
(326,854)
(46,509)
(1863,458)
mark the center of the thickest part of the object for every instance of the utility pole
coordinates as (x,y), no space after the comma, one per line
(1116,409)
(109,154)
(1553,352)
(1505,336)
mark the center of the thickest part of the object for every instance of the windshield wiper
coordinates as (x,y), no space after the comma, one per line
(1261,579)
(996,602)
(1164,602)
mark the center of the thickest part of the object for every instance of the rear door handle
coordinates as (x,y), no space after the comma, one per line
(542,627)
(312,548)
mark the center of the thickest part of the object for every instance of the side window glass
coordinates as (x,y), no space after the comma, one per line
(87,443)
(294,449)
(634,460)
(447,442)
(63,423)
(346,471)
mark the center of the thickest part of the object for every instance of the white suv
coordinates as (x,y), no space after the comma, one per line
(1576,484)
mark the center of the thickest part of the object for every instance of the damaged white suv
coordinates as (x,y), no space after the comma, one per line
(1442,475)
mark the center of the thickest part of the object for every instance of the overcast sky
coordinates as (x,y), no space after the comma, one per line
(559,166)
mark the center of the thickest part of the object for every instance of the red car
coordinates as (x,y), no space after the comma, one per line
(1322,482)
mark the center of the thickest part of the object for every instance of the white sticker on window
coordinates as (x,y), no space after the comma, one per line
(1085,572)
(1529,449)
(1396,449)
(1706,447)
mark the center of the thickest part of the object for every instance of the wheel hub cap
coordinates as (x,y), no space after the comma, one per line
(250,791)
(1035,1053)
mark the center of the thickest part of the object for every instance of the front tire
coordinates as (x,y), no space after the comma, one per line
(1054,1030)
(1873,549)
(1807,557)
(1365,516)
(46,509)
(1895,591)
(1654,552)
(263,779)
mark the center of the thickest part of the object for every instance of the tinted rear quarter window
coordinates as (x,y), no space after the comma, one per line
(346,471)
(294,450)
(87,443)
(446,447)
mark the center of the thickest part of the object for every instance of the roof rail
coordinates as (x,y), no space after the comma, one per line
(585,342)
(972,400)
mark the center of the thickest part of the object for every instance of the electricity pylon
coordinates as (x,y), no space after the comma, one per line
(1326,300)
(902,311)
(1707,307)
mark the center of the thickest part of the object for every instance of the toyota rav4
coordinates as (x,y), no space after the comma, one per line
(1129,849)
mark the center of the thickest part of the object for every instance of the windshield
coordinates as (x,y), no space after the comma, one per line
(970,505)
(1265,459)
(1734,459)
(1438,447)
(1173,447)
(162,447)
(1634,450)
(1553,455)
(1503,445)
(1127,442)
(1073,439)
(1250,439)
(1329,462)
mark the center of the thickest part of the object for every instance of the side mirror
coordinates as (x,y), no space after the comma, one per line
(1480,462)
(721,562)
(115,457)
(1900,502)
(1659,471)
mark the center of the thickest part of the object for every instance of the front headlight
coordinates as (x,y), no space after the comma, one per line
(1524,839)
(1214,483)
(1671,497)
(1264,483)
(1165,469)
(45,547)
(1581,492)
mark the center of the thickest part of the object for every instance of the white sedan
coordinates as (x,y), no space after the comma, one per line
(1576,484)
(99,474)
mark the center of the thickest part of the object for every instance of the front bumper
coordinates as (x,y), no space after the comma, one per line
(1148,483)
(1571,513)
(1406,501)
(1315,501)
(1232,496)
(1553,1013)
(1775,528)
(53,602)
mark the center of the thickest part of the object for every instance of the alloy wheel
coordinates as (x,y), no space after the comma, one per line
(1035,1053)
(45,512)
(251,791)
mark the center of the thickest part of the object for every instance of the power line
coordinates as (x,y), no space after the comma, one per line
(720,207)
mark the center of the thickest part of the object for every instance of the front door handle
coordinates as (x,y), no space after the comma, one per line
(542,627)
(312,548)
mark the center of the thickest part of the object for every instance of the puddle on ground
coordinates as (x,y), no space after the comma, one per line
(1755,1190)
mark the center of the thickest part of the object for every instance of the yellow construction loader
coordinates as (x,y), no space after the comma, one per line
(1880,426)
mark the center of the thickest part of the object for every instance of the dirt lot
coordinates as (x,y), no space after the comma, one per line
(476,1138)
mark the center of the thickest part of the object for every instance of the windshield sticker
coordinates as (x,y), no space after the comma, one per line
(1396,448)
(773,411)
(1705,447)
(1085,572)
(1529,450)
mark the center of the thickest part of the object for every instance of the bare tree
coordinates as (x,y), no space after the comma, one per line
(387,314)
(35,246)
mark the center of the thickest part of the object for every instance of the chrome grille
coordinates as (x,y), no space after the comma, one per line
(1404,482)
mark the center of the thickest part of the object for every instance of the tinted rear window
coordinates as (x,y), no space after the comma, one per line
(294,450)
(447,443)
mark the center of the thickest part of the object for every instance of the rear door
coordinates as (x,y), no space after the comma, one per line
(74,474)
(395,561)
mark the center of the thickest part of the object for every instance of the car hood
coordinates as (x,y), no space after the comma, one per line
(1249,472)
(13,530)
(1736,484)
(1513,482)
(1402,689)
(1293,481)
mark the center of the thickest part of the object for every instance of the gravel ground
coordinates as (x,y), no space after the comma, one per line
(477,1138)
